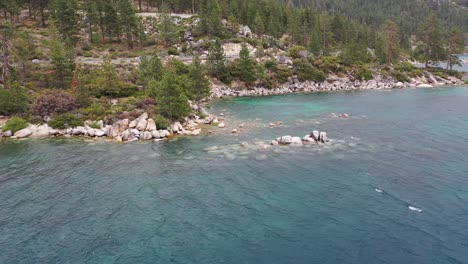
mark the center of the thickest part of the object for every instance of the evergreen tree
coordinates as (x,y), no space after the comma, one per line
(198,87)
(151,68)
(24,52)
(41,6)
(430,38)
(217,61)
(172,102)
(109,78)
(167,28)
(455,46)
(392,41)
(62,57)
(91,17)
(65,14)
(127,20)
(210,18)
(246,66)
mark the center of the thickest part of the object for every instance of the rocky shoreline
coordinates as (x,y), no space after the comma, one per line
(144,128)
(335,83)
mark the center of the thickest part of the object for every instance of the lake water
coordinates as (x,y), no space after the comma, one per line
(391,188)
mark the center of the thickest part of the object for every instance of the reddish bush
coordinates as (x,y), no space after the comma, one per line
(53,102)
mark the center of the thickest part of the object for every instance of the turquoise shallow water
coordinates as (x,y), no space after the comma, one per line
(79,201)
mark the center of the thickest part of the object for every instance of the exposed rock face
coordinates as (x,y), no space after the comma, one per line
(142,124)
(7,133)
(156,134)
(78,131)
(151,126)
(125,135)
(23,133)
(99,133)
(121,125)
(315,135)
(109,131)
(146,135)
(40,131)
(91,132)
(296,140)
(285,140)
(323,137)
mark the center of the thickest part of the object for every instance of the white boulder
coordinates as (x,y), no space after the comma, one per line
(23,133)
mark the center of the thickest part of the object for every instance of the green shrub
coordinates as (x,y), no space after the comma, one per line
(127,89)
(94,125)
(409,69)
(64,121)
(97,111)
(295,51)
(328,63)
(363,73)
(161,121)
(15,124)
(172,51)
(400,76)
(282,74)
(271,65)
(13,100)
(306,71)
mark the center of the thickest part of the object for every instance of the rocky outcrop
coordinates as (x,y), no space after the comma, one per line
(142,128)
(23,133)
(315,137)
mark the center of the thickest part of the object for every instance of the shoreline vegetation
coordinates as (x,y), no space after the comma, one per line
(137,70)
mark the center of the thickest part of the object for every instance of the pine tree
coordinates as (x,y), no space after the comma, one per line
(167,28)
(92,17)
(172,102)
(66,17)
(246,66)
(151,68)
(198,87)
(210,18)
(109,78)
(217,61)
(430,38)
(392,41)
(62,57)
(127,20)
(455,46)
(24,52)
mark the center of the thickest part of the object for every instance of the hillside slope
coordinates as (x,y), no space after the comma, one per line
(407,13)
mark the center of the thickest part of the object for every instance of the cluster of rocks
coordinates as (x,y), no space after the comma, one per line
(334,83)
(315,137)
(142,128)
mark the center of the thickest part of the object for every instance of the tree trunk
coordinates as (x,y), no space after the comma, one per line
(43,18)
(193,6)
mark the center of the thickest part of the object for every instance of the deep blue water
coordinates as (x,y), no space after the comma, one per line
(81,201)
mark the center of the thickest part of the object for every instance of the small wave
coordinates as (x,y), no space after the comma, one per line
(412,208)
(378,190)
